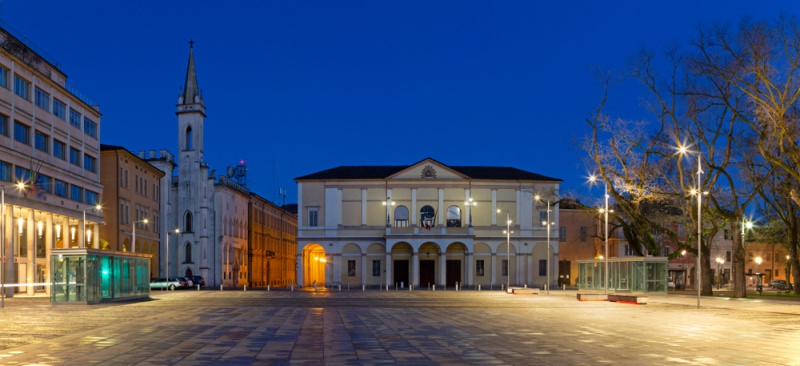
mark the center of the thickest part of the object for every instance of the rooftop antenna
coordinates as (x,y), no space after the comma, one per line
(282,194)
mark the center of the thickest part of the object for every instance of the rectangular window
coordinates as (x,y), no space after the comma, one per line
(351,268)
(562,233)
(505,267)
(92,198)
(89,127)
(3,77)
(75,118)
(584,234)
(22,87)
(89,163)
(479,268)
(22,174)
(59,149)
(44,183)
(543,267)
(4,125)
(59,109)
(74,156)
(376,268)
(42,142)
(727,234)
(76,193)
(313,217)
(728,256)
(5,171)
(42,99)
(60,188)
(22,133)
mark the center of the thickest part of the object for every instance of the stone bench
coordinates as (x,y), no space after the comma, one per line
(592,297)
(632,299)
(524,291)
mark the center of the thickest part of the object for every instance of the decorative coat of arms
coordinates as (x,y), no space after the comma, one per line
(428,172)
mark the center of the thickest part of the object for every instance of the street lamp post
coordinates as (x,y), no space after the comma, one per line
(605,212)
(720,262)
(758,275)
(19,186)
(699,192)
(469,203)
(746,225)
(548,223)
(788,271)
(388,203)
(83,224)
(166,260)
(133,236)
(507,231)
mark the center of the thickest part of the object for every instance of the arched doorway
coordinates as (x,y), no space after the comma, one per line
(428,256)
(315,264)
(401,264)
(454,272)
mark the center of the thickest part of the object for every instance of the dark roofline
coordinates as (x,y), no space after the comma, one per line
(385,171)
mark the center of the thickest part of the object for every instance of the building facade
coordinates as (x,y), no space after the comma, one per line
(131,204)
(272,244)
(426,224)
(49,166)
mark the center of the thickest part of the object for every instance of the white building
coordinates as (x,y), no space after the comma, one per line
(210,215)
(425,224)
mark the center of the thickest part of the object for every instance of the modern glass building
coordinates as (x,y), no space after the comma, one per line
(629,274)
(90,276)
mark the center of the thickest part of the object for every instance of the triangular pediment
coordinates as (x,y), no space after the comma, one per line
(428,169)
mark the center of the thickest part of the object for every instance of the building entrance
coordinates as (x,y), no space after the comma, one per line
(427,273)
(401,272)
(453,272)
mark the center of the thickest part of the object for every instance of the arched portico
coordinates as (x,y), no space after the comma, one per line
(315,264)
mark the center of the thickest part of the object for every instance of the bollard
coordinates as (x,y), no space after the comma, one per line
(410,287)
(340,287)
(198,287)
(292,288)
(245,288)
(434,287)
(267,287)
(502,286)
(220,287)
(479,287)
(526,285)
(456,285)
(363,287)
(564,287)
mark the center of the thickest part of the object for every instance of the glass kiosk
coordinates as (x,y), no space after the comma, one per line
(627,274)
(90,276)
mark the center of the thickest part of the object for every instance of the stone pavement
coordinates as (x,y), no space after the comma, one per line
(399,327)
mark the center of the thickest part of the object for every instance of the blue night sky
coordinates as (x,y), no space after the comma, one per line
(295,87)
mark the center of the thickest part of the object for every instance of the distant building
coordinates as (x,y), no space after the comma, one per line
(132,199)
(578,239)
(272,245)
(50,142)
(426,223)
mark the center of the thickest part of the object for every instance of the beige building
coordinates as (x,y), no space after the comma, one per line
(50,144)
(426,224)
(131,202)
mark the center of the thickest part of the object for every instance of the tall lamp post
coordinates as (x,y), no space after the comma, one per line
(83,223)
(19,186)
(788,271)
(699,192)
(388,203)
(548,223)
(469,203)
(133,236)
(605,212)
(746,225)
(166,260)
(507,231)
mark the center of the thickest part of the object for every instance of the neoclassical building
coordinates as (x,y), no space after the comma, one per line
(424,224)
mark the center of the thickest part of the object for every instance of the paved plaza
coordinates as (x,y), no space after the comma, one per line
(399,327)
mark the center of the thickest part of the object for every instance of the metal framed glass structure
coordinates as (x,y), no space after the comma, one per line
(90,276)
(629,274)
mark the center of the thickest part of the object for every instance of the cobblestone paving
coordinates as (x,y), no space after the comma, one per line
(419,328)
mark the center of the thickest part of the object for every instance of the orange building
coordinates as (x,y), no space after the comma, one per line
(273,244)
(131,204)
(578,239)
